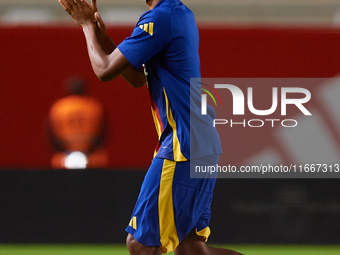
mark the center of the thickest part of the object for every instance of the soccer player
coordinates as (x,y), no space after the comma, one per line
(172,211)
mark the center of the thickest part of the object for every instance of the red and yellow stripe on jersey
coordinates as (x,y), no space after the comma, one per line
(166,41)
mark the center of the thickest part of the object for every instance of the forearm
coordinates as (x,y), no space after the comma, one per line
(105,40)
(98,57)
(131,74)
(134,76)
(107,61)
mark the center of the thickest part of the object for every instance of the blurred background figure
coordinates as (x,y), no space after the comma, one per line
(77,127)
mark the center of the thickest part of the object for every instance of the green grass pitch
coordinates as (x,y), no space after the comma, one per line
(121,250)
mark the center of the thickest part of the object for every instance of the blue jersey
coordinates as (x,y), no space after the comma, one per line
(166,40)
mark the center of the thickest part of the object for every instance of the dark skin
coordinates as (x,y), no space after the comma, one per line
(108,63)
(106,59)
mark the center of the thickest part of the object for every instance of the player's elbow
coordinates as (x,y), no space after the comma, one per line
(105,76)
(138,84)
(136,81)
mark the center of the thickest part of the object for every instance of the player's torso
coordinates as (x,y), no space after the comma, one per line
(168,74)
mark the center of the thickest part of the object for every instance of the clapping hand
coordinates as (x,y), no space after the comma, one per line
(80,11)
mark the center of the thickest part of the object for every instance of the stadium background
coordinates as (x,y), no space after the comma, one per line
(41,47)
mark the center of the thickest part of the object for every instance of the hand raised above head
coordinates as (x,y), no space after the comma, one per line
(80,11)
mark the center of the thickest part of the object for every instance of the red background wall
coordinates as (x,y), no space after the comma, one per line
(35,62)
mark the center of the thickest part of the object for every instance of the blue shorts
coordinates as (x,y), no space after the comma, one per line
(171,204)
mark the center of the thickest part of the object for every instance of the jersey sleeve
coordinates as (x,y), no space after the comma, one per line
(151,34)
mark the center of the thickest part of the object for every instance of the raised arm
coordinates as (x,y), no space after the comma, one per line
(105,64)
(131,74)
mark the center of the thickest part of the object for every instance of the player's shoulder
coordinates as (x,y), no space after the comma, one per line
(161,14)
(157,21)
